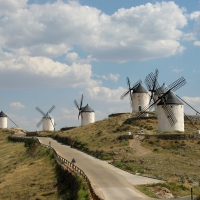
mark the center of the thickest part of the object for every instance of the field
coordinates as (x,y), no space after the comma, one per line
(175,161)
(36,176)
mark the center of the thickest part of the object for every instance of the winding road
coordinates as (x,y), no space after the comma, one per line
(109,182)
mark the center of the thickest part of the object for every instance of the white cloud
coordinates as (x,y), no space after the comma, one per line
(194,102)
(113,77)
(189,37)
(139,33)
(196,43)
(69,114)
(25,71)
(195,15)
(17,105)
(72,57)
(105,94)
(177,70)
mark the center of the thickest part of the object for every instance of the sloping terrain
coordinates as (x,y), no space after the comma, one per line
(34,177)
(171,160)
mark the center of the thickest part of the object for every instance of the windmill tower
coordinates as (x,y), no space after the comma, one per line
(47,120)
(139,96)
(3,120)
(170,101)
(86,112)
(169,107)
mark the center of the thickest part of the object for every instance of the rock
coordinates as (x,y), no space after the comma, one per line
(195,183)
(162,192)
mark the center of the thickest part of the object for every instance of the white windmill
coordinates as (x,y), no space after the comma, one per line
(86,112)
(170,111)
(47,120)
(139,96)
(4,120)
(175,106)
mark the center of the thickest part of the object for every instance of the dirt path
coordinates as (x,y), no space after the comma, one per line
(138,148)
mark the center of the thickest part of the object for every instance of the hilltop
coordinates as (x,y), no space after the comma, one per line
(109,139)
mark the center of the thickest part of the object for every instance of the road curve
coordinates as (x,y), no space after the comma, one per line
(109,182)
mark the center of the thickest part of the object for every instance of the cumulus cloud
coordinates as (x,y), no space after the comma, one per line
(25,71)
(192,100)
(69,114)
(17,105)
(196,43)
(111,76)
(72,56)
(195,15)
(139,33)
(177,70)
(105,94)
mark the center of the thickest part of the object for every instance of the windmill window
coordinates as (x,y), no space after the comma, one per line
(171,106)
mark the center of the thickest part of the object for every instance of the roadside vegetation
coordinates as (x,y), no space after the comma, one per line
(175,161)
(29,171)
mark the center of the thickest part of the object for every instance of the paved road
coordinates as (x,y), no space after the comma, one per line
(109,182)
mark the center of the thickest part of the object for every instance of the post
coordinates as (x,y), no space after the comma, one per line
(191,194)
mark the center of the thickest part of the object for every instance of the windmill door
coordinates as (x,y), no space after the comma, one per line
(140,108)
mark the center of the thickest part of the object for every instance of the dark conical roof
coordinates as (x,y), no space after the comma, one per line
(87,108)
(48,116)
(2,114)
(162,89)
(140,89)
(171,98)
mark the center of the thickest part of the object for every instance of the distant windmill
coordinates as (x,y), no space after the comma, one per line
(4,120)
(169,108)
(86,113)
(47,120)
(139,96)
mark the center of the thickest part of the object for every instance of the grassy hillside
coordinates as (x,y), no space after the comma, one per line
(176,161)
(34,177)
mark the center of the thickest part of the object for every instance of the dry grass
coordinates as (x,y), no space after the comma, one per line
(26,177)
(171,160)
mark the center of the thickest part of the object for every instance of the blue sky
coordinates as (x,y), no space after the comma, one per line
(51,52)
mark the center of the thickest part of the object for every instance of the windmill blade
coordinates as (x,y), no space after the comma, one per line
(12,121)
(190,121)
(131,88)
(188,104)
(124,94)
(170,115)
(81,102)
(177,84)
(79,114)
(51,109)
(136,84)
(76,104)
(39,110)
(39,123)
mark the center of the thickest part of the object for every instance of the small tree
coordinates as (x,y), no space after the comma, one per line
(31,145)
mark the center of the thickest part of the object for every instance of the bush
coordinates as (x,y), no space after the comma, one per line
(31,145)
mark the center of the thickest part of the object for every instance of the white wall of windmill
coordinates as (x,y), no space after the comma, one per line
(3,122)
(48,124)
(87,118)
(139,101)
(163,122)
